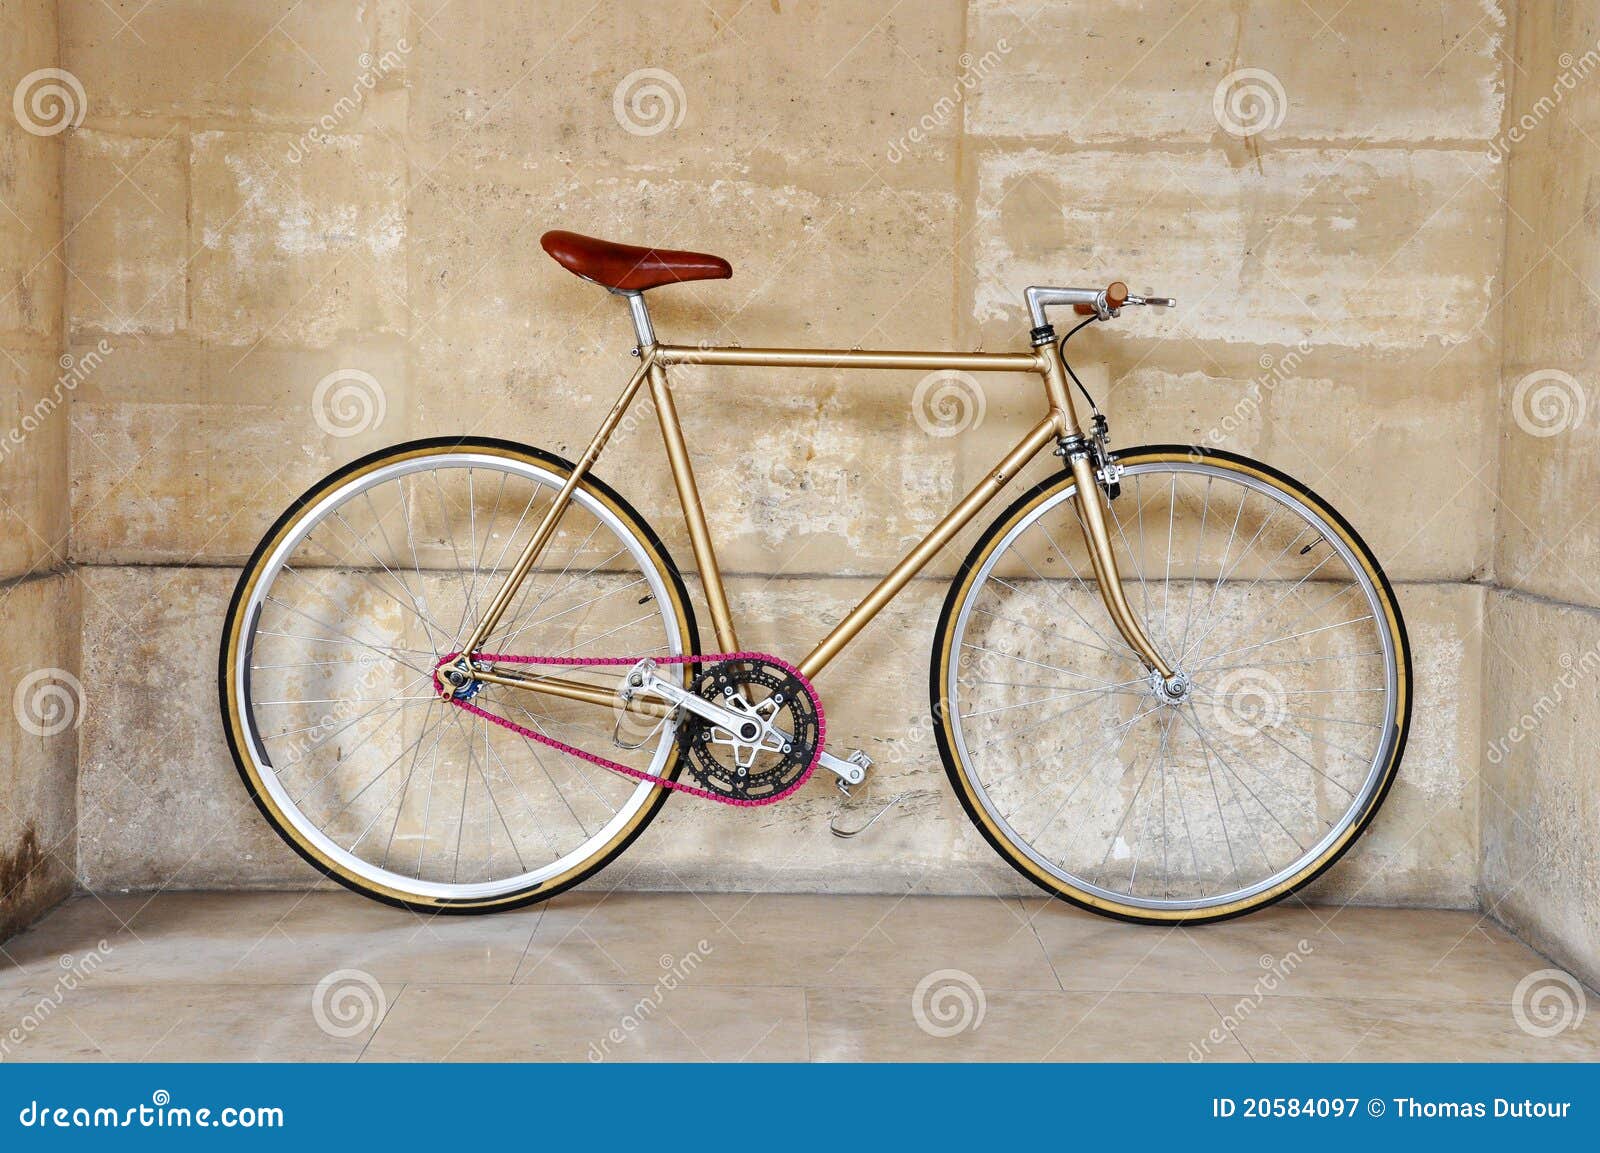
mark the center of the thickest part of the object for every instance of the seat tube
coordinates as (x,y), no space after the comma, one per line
(705,554)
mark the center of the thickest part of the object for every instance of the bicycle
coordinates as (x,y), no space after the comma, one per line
(1169,685)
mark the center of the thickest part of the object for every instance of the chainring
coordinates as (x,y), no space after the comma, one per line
(778,701)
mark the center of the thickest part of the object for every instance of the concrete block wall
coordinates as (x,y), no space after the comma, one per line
(1541,784)
(263,194)
(38,615)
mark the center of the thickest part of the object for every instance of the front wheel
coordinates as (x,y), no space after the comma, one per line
(1105,790)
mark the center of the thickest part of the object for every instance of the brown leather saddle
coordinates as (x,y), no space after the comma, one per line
(629,267)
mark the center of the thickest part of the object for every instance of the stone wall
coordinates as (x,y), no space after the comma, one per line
(265,193)
(1541,787)
(38,618)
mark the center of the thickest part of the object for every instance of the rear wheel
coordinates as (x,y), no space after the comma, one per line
(1101,787)
(338,621)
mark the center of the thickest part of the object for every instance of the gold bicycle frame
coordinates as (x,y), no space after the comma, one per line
(1060,424)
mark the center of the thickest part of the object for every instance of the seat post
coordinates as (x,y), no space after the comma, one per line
(641,318)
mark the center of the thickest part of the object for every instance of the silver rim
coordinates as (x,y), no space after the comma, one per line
(1277,750)
(382,576)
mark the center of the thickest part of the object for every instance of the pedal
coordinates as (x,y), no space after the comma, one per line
(852,770)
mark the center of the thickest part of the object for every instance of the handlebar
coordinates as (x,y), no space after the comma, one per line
(1113,298)
(1104,303)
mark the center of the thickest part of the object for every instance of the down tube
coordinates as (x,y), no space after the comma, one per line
(954,521)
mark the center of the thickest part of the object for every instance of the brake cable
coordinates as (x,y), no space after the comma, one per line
(1062,352)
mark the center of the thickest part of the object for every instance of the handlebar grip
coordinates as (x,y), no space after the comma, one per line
(1116,297)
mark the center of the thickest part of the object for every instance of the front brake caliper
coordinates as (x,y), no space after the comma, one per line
(1106,469)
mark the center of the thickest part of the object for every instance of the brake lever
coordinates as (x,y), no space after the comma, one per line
(1154,301)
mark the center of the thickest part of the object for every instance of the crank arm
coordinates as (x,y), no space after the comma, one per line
(745,728)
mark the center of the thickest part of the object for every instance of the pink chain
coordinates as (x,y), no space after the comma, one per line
(659,782)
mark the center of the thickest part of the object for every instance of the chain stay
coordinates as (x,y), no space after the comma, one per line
(466,704)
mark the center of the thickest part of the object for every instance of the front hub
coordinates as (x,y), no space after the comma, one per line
(1170,692)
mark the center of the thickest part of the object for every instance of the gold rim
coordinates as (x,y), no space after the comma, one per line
(236,728)
(1021,860)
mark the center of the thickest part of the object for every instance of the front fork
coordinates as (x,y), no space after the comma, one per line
(1097,538)
(1092,505)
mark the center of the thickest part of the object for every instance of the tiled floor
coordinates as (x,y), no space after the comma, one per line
(214,976)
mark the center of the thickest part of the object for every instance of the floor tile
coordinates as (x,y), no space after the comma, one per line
(885,1025)
(1319,951)
(592,1023)
(188,1023)
(773,939)
(256,938)
(1348,1029)
(687,977)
